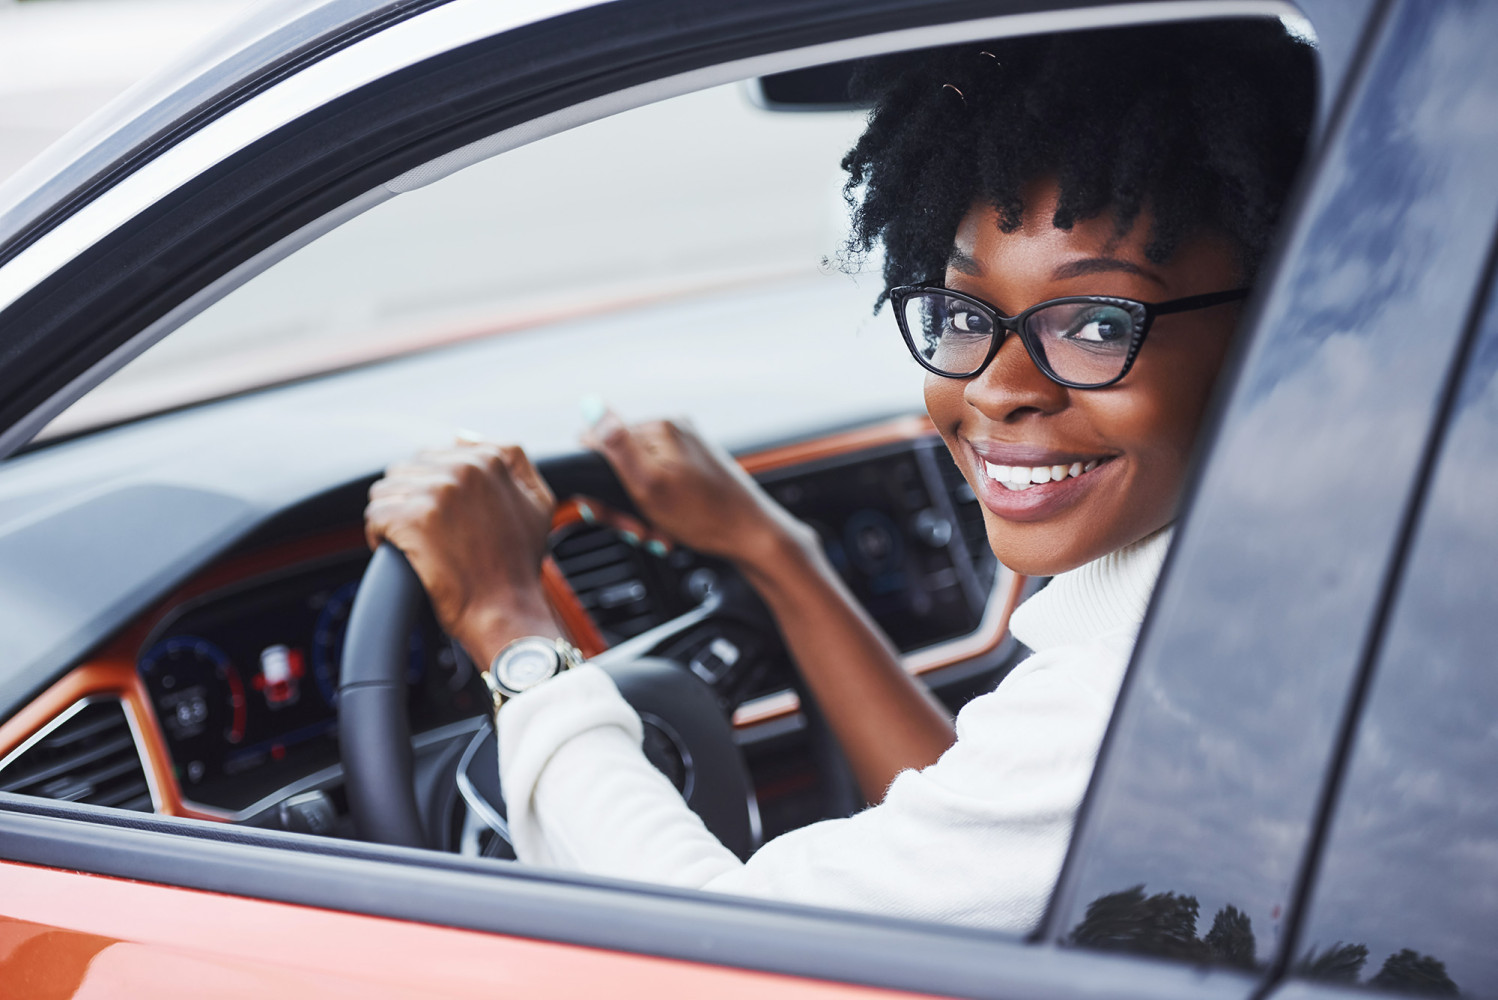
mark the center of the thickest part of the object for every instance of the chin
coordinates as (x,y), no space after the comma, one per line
(1036,555)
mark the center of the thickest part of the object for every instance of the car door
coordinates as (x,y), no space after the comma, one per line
(295,909)
(1244,687)
(1401,893)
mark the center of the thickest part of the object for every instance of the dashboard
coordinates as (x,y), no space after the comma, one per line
(233,679)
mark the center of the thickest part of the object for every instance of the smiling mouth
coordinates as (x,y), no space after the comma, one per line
(1024,477)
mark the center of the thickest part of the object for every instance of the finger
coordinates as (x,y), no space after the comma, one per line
(600,421)
(426,461)
(529,478)
(620,446)
(384,517)
(409,484)
(660,443)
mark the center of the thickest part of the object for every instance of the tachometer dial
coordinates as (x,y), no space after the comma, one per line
(196,689)
(327,644)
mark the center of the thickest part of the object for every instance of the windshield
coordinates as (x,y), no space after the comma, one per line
(616,213)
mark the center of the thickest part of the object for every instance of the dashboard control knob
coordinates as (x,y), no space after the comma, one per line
(932,528)
(699,583)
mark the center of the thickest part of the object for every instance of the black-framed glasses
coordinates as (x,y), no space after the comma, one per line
(1081,341)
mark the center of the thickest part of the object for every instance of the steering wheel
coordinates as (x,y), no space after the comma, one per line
(375,740)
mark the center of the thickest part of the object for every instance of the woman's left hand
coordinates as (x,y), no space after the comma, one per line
(473,520)
(695,492)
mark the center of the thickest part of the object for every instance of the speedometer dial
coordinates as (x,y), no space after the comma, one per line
(196,690)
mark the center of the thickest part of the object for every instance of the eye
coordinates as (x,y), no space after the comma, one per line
(1101,325)
(968,321)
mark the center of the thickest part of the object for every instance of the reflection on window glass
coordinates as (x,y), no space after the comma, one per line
(1408,894)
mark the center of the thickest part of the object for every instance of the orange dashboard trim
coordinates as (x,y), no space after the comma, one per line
(111,671)
(571,615)
(909,428)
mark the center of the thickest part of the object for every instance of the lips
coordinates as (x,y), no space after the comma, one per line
(1028,483)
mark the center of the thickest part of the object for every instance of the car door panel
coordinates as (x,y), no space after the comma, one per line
(1213,776)
(72,934)
(64,862)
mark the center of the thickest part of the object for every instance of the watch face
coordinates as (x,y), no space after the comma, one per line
(526,664)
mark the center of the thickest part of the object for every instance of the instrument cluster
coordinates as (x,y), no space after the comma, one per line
(245,682)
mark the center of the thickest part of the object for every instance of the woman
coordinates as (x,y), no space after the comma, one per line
(1133,175)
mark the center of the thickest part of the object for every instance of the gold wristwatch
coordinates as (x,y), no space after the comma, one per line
(527,662)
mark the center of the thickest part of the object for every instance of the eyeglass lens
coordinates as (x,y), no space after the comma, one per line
(1085,343)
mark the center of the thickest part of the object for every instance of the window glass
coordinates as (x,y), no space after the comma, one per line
(707,194)
(1408,894)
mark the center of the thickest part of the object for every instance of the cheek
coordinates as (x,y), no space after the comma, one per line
(1162,414)
(944,401)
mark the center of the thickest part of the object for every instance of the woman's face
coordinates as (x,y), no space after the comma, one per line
(1138,431)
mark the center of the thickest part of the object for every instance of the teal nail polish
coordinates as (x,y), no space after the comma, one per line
(655,547)
(593,408)
(630,538)
(586,513)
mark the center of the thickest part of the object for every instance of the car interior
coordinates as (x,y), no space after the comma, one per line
(681,258)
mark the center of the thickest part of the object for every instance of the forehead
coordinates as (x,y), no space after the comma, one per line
(979,235)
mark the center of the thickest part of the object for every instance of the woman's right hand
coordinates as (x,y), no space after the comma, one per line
(695,492)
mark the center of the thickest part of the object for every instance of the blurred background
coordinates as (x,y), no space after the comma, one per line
(63,60)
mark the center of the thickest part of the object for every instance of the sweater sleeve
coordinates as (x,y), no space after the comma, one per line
(976,838)
(581,796)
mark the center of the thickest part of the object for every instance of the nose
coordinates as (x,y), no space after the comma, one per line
(1012,387)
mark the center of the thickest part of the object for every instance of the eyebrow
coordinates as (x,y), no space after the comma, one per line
(1100,265)
(964,263)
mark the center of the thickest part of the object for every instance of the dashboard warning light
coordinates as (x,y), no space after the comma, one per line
(280,675)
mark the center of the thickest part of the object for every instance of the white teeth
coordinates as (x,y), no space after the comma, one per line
(1019,477)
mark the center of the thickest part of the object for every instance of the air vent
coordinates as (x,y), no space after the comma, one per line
(969,518)
(611,580)
(88,755)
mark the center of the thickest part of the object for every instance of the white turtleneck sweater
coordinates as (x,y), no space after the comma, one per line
(976,838)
